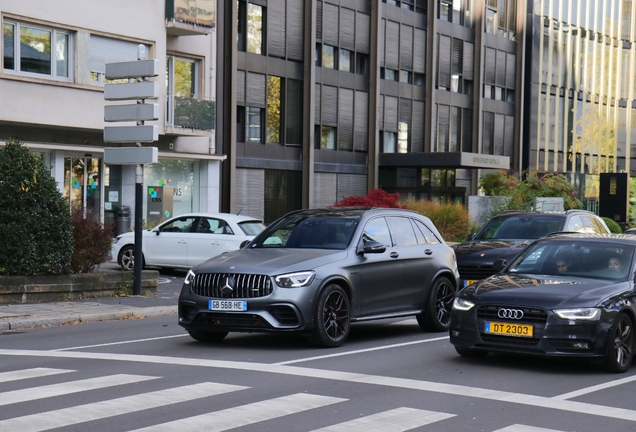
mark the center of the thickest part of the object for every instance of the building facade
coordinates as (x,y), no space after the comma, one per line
(323,99)
(579,85)
(52,92)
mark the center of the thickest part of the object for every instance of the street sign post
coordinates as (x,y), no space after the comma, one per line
(137,88)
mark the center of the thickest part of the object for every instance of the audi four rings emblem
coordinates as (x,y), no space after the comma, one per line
(510,313)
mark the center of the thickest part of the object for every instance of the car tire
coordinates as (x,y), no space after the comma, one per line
(207,336)
(332,319)
(620,345)
(467,352)
(436,315)
(126,258)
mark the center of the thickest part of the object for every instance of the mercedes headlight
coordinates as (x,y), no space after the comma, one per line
(189,277)
(295,280)
(462,304)
(581,314)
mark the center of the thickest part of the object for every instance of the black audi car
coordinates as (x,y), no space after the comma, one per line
(566,295)
(317,271)
(507,234)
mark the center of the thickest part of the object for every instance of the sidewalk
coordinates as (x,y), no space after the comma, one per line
(24,316)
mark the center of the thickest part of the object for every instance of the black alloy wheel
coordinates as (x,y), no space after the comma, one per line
(620,341)
(207,336)
(436,315)
(332,319)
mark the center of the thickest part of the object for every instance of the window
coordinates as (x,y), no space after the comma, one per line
(318,55)
(344,61)
(274,108)
(389,142)
(362,64)
(491,22)
(328,138)
(418,79)
(182,86)
(403,137)
(250,27)
(240,124)
(105,50)
(390,74)
(329,57)
(37,50)
(377,230)
(254,124)
(445,11)
(405,76)
(402,230)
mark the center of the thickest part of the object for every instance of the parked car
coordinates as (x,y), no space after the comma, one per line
(631,231)
(186,240)
(507,234)
(317,271)
(535,307)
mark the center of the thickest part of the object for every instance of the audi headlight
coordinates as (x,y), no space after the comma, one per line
(189,277)
(295,280)
(462,304)
(581,314)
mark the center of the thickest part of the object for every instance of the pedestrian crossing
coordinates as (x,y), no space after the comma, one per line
(399,419)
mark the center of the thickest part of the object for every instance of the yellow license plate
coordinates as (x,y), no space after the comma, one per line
(508,329)
(469,282)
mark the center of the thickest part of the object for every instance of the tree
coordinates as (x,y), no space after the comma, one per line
(36,229)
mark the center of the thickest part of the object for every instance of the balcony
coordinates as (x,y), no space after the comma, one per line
(190,17)
(190,116)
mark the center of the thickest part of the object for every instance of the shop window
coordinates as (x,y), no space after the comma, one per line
(37,51)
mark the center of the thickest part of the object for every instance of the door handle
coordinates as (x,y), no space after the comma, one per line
(394,255)
(181,241)
(428,252)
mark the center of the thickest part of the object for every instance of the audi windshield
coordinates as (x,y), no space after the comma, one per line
(575,258)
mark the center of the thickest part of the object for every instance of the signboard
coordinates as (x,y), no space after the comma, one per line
(159,200)
(130,155)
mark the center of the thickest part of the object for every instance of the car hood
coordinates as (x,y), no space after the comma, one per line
(542,291)
(488,251)
(271,261)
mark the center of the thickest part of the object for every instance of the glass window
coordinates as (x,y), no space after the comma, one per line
(438,177)
(418,79)
(377,230)
(491,22)
(575,224)
(254,28)
(318,55)
(390,74)
(179,176)
(38,50)
(403,234)
(389,143)
(426,232)
(498,93)
(426,176)
(362,64)
(328,138)
(273,109)
(403,137)
(344,61)
(254,124)
(444,11)
(179,225)
(405,76)
(240,124)
(328,57)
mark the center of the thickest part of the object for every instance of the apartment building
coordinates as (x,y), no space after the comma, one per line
(52,96)
(323,99)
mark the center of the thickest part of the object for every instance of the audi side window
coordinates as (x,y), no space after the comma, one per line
(377,230)
(178,225)
(403,234)
(575,224)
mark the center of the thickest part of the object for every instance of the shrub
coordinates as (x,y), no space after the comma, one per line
(375,198)
(92,242)
(36,227)
(450,219)
(612,225)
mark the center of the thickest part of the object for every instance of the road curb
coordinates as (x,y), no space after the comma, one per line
(51,321)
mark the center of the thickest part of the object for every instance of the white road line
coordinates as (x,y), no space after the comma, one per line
(125,405)
(524,428)
(247,414)
(395,420)
(47,391)
(362,351)
(30,373)
(429,386)
(595,388)
(121,342)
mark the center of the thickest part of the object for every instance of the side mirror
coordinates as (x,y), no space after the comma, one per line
(373,247)
(471,236)
(157,232)
(499,264)
(243,244)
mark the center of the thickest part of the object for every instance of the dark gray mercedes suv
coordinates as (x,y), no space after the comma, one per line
(317,271)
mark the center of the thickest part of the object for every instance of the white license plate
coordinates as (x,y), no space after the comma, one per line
(228,305)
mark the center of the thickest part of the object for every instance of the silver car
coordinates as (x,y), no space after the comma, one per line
(319,270)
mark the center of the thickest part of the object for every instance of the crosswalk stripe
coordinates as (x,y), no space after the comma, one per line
(30,373)
(524,428)
(395,420)
(246,414)
(65,388)
(125,405)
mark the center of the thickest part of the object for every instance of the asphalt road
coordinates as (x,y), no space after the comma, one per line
(148,373)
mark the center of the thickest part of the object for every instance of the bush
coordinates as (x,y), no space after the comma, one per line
(450,219)
(375,198)
(92,242)
(614,227)
(36,227)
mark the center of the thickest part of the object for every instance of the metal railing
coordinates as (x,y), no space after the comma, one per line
(192,113)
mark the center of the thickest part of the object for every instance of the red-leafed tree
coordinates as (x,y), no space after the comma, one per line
(375,198)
